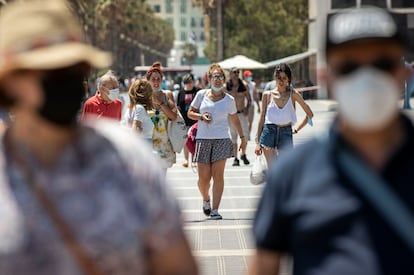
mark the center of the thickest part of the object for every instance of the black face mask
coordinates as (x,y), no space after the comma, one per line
(63,95)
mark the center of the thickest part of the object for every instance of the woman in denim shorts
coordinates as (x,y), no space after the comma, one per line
(212,107)
(278,116)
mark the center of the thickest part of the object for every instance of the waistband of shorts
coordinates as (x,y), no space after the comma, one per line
(279,125)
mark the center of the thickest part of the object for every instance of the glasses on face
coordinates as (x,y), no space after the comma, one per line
(217,77)
(385,64)
(236,72)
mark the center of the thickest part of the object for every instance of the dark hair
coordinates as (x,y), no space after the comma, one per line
(283,67)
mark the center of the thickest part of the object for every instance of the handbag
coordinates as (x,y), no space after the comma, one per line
(258,173)
(191,138)
(177,132)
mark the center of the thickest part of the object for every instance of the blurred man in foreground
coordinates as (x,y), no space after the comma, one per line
(323,204)
(75,199)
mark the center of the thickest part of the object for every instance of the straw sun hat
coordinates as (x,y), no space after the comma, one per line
(43,34)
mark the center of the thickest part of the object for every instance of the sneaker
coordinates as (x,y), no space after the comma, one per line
(236,162)
(206,208)
(215,215)
(244,159)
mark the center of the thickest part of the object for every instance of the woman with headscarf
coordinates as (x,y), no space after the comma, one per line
(164,110)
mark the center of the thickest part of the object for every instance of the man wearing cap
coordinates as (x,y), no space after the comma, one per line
(75,198)
(248,81)
(105,102)
(343,203)
(241,94)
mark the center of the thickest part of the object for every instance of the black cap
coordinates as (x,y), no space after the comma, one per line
(368,22)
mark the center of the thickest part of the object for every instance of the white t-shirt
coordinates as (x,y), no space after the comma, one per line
(140,114)
(218,128)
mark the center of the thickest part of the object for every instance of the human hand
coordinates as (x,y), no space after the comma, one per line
(258,150)
(206,117)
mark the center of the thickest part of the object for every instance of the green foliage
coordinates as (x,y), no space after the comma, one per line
(190,52)
(119,25)
(262,29)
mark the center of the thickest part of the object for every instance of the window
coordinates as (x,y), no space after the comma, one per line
(193,22)
(342,4)
(183,6)
(157,8)
(183,36)
(169,6)
(378,3)
(183,22)
(202,36)
(402,4)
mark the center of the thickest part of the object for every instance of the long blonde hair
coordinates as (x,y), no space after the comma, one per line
(140,92)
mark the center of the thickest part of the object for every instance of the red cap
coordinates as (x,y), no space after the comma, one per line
(247,73)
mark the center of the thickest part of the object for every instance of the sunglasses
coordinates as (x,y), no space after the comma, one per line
(385,64)
(217,77)
(236,72)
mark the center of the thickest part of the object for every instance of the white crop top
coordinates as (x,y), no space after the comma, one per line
(280,116)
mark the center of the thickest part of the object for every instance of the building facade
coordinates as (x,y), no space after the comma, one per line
(188,23)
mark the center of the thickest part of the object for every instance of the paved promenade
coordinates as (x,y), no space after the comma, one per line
(225,246)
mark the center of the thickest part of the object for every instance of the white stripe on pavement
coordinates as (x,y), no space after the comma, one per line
(223,252)
(189,211)
(217,227)
(225,187)
(224,197)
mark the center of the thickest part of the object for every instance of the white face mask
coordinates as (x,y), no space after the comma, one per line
(216,89)
(113,94)
(367,98)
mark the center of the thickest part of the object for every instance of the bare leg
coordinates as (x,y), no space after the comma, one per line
(204,176)
(235,149)
(218,178)
(270,154)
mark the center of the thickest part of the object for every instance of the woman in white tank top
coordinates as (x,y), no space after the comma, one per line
(278,116)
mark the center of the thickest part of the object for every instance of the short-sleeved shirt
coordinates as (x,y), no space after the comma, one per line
(310,210)
(95,106)
(184,100)
(219,110)
(109,189)
(139,113)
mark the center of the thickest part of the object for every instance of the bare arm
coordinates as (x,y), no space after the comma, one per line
(265,97)
(236,122)
(249,101)
(309,114)
(194,114)
(174,260)
(137,126)
(265,263)
(169,107)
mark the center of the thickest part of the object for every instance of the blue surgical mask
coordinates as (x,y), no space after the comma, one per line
(113,94)
(158,90)
(249,78)
(215,89)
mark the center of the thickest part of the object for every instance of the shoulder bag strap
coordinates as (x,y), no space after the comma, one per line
(377,191)
(84,261)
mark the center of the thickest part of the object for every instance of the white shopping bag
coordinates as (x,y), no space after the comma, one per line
(259,170)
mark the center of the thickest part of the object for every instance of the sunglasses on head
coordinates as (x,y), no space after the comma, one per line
(385,64)
(217,77)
